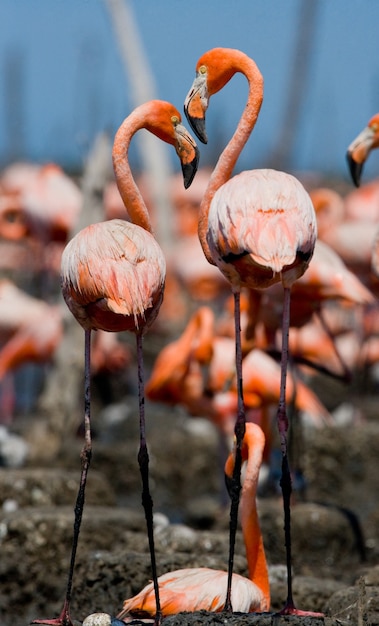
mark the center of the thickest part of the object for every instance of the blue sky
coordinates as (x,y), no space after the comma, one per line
(72,83)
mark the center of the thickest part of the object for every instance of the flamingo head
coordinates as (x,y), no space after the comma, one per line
(164,121)
(252,445)
(360,148)
(214,69)
(196,104)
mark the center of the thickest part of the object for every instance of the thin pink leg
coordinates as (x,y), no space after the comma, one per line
(143,461)
(64,618)
(285,481)
(346,371)
(234,484)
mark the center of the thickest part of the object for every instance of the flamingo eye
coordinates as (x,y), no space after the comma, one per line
(202,69)
(175,120)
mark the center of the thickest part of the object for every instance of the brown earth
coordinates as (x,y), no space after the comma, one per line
(335,516)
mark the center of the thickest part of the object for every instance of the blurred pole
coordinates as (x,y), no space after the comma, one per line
(96,174)
(153,152)
(14,104)
(298,81)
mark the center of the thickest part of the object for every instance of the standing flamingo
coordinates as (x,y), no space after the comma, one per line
(113,276)
(259,228)
(360,148)
(202,588)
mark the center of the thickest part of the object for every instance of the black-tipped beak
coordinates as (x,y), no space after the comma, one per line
(195,106)
(188,153)
(198,126)
(358,152)
(189,169)
(355,169)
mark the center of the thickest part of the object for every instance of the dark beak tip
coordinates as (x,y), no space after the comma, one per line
(187,180)
(355,169)
(198,126)
(188,177)
(189,170)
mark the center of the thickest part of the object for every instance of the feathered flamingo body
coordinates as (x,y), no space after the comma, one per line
(127,270)
(195,589)
(271,232)
(30,329)
(48,202)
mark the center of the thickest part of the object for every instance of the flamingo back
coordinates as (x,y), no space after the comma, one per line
(262,228)
(113,275)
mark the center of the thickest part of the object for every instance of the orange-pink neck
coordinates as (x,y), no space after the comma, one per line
(255,553)
(130,194)
(230,154)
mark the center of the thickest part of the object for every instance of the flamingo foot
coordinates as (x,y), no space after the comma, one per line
(57,621)
(290,609)
(63,620)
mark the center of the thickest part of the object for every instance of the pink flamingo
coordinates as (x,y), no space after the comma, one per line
(50,200)
(363,203)
(259,228)
(113,276)
(179,377)
(360,148)
(196,589)
(31,329)
(351,236)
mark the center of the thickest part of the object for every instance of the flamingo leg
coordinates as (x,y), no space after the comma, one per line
(64,618)
(346,371)
(143,461)
(234,485)
(285,481)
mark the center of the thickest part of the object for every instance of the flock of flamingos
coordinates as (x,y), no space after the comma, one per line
(270,249)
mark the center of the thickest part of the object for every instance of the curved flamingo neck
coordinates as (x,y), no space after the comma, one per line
(197,338)
(239,62)
(255,553)
(204,322)
(130,194)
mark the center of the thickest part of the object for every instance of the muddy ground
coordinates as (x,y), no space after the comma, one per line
(335,513)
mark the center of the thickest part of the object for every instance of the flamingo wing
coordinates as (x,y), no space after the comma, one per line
(195,589)
(111,272)
(271,226)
